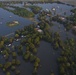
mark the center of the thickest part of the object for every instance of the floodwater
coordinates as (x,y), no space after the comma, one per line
(60,9)
(48,57)
(5,17)
(72,2)
(46,53)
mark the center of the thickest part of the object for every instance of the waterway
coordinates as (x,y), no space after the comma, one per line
(46,53)
(5,17)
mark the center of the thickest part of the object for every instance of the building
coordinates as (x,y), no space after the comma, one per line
(39,30)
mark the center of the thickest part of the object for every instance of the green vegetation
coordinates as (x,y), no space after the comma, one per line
(71,23)
(67,58)
(35,9)
(29,40)
(21,12)
(0,4)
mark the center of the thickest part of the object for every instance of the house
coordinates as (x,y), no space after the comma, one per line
(62,18)
(48,14)
(53,9)
(38,26)
(17,39)
(10,16)
(39,30)
(1,51)
(4,56)
(74,27)
(22,36)
(8,45)
(47,10)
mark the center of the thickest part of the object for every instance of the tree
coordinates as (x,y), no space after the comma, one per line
(14,55)
(32,46)
(13,68)
(62,70)
(7,65)
(34,50)
(35,71)
(17,72)
(1,44)
(56,45)
(29,40)
(11,40)
(26,55)
(37,41)
(20,48)
(37,60)
(1,65)
(16,36)
(32,57)
(36,64)
(13,62)
(8,73)
(52,73)
(17,62)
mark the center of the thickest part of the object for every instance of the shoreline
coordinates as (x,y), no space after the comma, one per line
(70,2)
(73,3)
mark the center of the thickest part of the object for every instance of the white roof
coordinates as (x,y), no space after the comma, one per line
(74,27)
(39,30)
(54,9)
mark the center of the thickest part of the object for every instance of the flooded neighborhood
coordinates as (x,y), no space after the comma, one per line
(38,37)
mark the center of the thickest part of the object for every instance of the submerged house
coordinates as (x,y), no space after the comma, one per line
(74,28)
(54,9)
(39,30)
(8,45)
(62,18)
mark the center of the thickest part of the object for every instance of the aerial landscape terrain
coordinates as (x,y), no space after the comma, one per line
(37,37)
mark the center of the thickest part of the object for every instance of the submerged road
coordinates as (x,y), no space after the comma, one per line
(9,34)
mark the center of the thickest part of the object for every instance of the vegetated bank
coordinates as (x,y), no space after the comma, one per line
(21,12)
